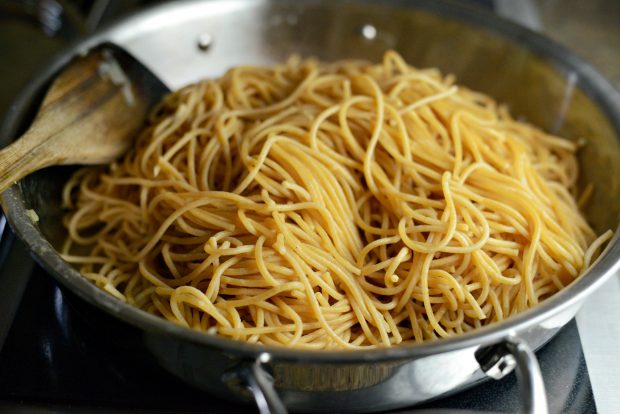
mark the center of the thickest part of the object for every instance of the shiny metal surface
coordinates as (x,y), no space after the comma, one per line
(531,386)
(252,377)
(261,385)
(538,80)
(496,361)
(309,384)
(499,360)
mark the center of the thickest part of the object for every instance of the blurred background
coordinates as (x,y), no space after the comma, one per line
(32,31)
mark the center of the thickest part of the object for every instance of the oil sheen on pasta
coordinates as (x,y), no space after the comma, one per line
(332,205)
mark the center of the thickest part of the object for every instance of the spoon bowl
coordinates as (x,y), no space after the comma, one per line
(90,114)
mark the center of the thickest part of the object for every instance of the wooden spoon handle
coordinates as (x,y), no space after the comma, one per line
(21,158)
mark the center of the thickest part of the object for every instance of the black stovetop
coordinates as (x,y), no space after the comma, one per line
(62,356)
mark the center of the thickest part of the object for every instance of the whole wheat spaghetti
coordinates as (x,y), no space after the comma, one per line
(332,205)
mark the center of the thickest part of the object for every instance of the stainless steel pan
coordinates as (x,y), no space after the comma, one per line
(542,82)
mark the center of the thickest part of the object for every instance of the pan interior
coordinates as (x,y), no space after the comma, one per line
(551,93)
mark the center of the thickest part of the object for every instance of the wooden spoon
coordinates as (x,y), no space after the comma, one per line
(90,114)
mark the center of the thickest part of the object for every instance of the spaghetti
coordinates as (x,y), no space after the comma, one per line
(341,205)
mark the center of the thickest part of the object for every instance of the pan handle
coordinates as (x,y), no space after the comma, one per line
(253,375)
(496,361)
(499,360)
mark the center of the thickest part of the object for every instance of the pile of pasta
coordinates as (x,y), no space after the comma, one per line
(334,205)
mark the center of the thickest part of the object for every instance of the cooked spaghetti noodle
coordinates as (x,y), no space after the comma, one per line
(340,205)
